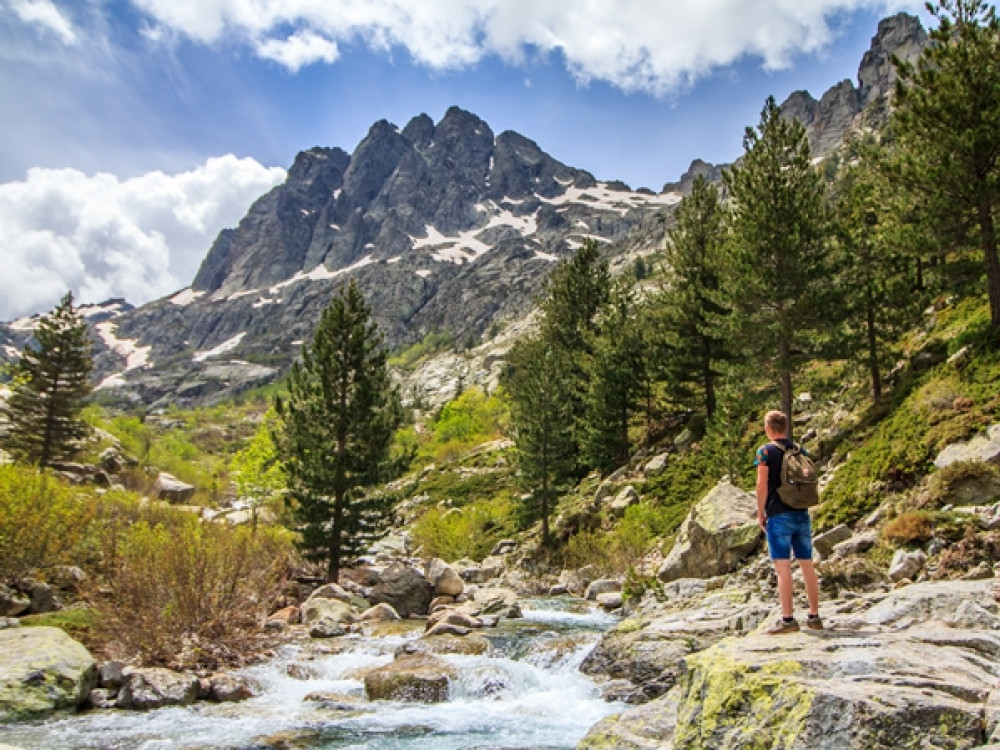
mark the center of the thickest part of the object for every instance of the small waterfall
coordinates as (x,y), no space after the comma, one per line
(527,693)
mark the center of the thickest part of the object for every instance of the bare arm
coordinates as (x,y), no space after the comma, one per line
(761,495)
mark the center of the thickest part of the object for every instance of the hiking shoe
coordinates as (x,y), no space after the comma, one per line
(814,623)
(783,626)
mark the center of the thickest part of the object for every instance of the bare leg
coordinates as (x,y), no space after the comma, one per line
(783,568)
(812,585)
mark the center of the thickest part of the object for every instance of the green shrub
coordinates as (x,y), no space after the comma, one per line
(470,531)
(186,593)
(43,521)
(430,344)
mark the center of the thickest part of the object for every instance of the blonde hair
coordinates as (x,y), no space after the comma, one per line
(776,421)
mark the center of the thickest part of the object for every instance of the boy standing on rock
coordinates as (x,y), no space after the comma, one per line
(788,530)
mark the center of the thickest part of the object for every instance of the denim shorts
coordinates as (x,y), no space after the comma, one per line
(787,532)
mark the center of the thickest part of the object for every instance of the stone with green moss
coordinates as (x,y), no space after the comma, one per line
(42,671)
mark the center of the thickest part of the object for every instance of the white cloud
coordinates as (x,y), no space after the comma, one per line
(299,50)
(44,13)
(638,45)
(103,237)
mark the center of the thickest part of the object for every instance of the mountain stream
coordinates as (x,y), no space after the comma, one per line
(527,692)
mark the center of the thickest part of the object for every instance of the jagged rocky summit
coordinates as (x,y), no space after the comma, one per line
(446,227)
(846,107)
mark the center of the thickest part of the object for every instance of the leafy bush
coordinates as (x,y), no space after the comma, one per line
(186,593)
(470,531)
(43,521)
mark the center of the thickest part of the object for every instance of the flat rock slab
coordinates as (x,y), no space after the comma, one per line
(42,671)
(826,691)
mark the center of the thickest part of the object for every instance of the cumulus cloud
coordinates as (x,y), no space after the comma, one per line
(44,14)
(299,50)
(637,45)
(102,237)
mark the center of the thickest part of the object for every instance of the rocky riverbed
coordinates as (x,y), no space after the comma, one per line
(523,689)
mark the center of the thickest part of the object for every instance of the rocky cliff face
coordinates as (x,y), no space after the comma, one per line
(446,227)
(831,118)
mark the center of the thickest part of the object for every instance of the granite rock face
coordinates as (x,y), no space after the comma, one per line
(914,668)
(446,227)
(829,120)
(719,532)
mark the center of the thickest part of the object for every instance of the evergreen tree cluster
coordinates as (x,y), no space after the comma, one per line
(796,261)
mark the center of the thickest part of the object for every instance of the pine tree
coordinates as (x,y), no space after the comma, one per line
(538,385)
(874,270)
(777,265)
(617,378)
(690,313)
(948,121)
(337,424)
(576,292)
(50,383)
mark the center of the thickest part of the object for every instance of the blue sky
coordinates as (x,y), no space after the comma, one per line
(136,129)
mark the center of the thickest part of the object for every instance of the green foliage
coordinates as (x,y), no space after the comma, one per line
(336,431)
(81,623)
(777,275)
(541,411)
(875,267)
(429,345)
(617,379)
(682,483)
(470,531)
(43,522)
(690,314)
(260,479)
(939,407)
(947,118)
(183,580)
(40,421)
(471,418)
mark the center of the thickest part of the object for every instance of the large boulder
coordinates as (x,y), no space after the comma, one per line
(156,687)
(171,489)
(327,617)
(42,670)
(418,677)
(719,532)
(980,448)
(404,588)
(444,579)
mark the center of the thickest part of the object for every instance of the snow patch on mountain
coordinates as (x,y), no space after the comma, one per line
(226,346)
(135,356)
(185,297)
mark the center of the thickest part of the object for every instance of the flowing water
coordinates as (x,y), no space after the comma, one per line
(527,693)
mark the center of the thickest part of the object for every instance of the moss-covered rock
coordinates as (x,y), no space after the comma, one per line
(42,671)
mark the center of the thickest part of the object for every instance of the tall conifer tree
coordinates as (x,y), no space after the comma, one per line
(617,378)
(875,272)
(948,120)
(40,422)
(538,384)
(337,423)
(576,292)
(778,269)
(690,313)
